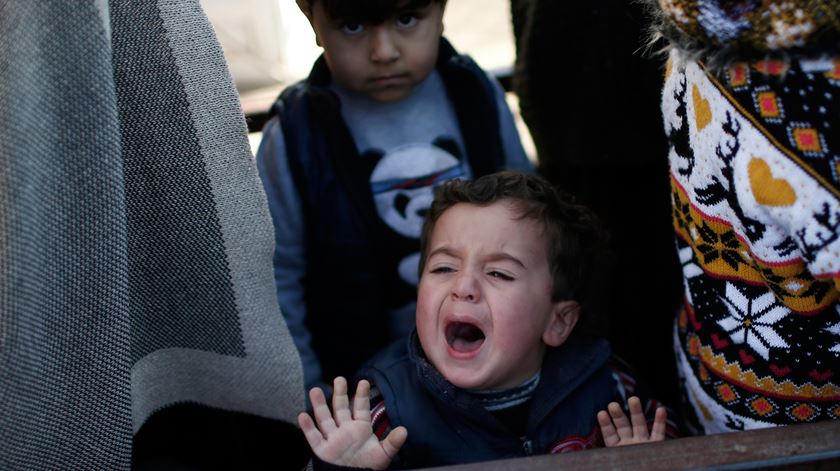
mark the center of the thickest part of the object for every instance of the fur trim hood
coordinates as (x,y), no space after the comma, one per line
(719,32)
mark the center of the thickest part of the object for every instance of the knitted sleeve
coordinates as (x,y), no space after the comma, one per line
(378,417)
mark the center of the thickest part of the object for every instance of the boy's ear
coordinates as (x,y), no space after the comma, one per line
(563,319)
(305,8)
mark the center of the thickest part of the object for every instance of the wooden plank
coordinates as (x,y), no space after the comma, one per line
(809,446)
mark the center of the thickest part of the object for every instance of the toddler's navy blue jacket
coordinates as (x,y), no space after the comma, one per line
(446,425)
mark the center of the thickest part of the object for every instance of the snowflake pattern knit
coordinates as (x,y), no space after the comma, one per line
(755,177)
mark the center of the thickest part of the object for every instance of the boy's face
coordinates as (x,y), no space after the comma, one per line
(386,61)
(484,308)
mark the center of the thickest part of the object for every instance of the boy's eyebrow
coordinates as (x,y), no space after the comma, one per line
(498,256)
(494,257)
(410,7)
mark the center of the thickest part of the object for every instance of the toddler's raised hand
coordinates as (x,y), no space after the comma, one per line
(618,431)
(344,438)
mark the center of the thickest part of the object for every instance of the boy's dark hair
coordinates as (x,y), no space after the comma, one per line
(576,240)
(369,11)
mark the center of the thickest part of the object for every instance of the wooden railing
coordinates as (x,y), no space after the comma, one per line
(800,447)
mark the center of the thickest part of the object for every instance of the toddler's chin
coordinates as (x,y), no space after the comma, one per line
(462,381)
(463,377)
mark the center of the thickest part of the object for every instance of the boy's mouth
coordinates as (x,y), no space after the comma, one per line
(388,79)
(464,337)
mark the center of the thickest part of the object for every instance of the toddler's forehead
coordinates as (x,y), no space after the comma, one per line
(517,212)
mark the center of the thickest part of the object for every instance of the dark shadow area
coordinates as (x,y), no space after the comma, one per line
(195,437)
(592,102)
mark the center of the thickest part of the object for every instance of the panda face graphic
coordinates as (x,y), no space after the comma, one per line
(402,184)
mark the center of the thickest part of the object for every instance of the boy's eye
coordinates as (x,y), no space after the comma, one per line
(441,270)
(500,275)
(406,21)
(352,28)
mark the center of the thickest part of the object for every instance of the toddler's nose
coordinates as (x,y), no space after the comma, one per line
(465,288)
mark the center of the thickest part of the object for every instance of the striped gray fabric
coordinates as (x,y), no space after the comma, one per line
(135,240)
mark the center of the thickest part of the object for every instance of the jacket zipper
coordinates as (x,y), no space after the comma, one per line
(527,446)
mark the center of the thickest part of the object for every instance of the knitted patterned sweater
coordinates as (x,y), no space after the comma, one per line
(755,179)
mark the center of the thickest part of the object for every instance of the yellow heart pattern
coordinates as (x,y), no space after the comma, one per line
(702,110)
(767,190)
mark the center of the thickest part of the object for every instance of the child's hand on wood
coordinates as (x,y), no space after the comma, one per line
(344,438)
(618,431)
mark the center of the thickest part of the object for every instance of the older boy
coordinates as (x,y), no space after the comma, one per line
(493,370)
(348,164)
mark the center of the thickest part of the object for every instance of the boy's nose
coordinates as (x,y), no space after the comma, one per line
(465,288)
(383,49)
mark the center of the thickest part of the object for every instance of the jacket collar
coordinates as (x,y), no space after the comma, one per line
(564,369)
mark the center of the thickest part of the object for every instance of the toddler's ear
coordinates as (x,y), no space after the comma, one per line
(564,317)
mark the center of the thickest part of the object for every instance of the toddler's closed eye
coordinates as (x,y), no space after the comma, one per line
(500,275)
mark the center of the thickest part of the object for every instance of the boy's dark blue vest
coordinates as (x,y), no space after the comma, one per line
(351,281)
(446,425)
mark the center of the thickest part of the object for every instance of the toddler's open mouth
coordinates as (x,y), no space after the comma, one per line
(464,337)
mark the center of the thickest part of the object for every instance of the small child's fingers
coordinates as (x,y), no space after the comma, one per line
(638,419)
(394,441)
(361,402)
(622,424)
(607,429)
(310,431)
(323,416)
(657,434)
(340,402)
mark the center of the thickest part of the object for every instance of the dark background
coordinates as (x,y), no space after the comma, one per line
(591,97)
